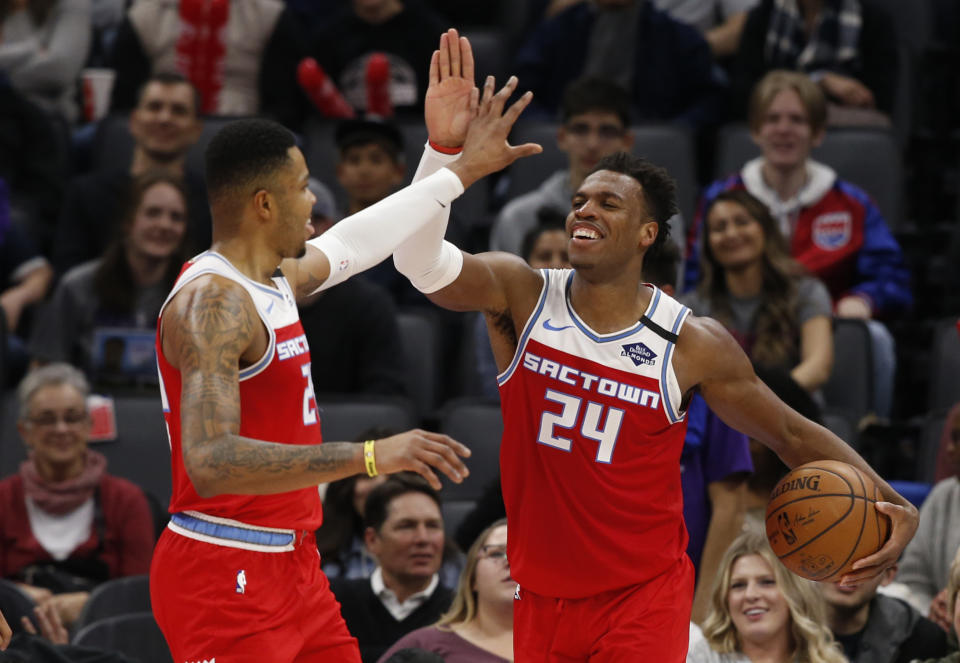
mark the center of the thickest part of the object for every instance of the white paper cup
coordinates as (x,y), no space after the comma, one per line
(97,85)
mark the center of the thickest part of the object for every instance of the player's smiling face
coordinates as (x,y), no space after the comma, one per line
(608,222)
(757,607)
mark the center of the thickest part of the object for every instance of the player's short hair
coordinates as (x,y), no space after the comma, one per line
(659,189)
(775,82)
(595,94)
(55,374)
(172,78)
(245,153)
(380,498)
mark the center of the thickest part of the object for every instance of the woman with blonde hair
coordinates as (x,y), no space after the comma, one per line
(478,627)
(761,612)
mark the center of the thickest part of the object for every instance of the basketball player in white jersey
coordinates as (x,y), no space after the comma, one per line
(596,370)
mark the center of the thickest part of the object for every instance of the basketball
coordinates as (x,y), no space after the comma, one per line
(821,519)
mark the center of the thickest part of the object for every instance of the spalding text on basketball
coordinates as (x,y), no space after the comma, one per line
(811,482)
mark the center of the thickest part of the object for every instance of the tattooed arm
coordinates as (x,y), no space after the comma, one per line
(209,328)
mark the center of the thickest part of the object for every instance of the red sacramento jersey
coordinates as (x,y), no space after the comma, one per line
(276,404)
(590,457)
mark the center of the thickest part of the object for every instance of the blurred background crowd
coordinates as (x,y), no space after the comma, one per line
(815,148)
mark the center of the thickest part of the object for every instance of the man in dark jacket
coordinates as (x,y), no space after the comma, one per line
(875,628)
(405,534)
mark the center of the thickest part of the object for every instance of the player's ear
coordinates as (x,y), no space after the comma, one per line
(264,203)
(648,233)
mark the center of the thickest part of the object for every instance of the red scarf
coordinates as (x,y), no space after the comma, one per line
(62,497)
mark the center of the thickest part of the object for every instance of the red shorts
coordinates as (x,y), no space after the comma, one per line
(236,606)
(648,622)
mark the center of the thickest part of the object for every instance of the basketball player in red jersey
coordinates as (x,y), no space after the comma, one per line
(596,370)
(236,576)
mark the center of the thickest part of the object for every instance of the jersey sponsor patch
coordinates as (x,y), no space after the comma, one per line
(292,348)
(639,354)
(832,231)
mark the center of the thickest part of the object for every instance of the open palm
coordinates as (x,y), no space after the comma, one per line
(451,100)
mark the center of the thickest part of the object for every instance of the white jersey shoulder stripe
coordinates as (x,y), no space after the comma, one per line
(668,378)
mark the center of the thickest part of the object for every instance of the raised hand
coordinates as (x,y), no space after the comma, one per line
(449,104)
(486,149)
(422,452)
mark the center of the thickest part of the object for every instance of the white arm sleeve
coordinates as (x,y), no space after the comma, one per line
(366,238)
(426,259)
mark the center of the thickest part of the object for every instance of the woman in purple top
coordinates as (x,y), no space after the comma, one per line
(478,627)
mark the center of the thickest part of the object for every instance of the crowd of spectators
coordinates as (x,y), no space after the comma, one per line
(93,233)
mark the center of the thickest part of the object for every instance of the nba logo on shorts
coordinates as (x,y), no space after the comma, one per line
(241,582)
(832,231)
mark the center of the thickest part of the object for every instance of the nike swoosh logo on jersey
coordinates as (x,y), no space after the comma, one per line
(549,327)
(440,204)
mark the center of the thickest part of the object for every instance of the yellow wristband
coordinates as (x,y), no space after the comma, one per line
(369,459)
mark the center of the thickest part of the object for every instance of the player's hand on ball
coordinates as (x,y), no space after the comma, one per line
(422,452)
(450,102)
(904,521)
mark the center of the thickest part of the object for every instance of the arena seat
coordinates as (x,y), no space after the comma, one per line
(881,175)
(945,365)
(931,428)
(479,425)
(421,348)
(116,597)
(862,375)
(840,423)
(491,53)
(454,511)
(135,635)
(345,421)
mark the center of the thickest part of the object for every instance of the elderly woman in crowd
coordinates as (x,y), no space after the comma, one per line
(65,523)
